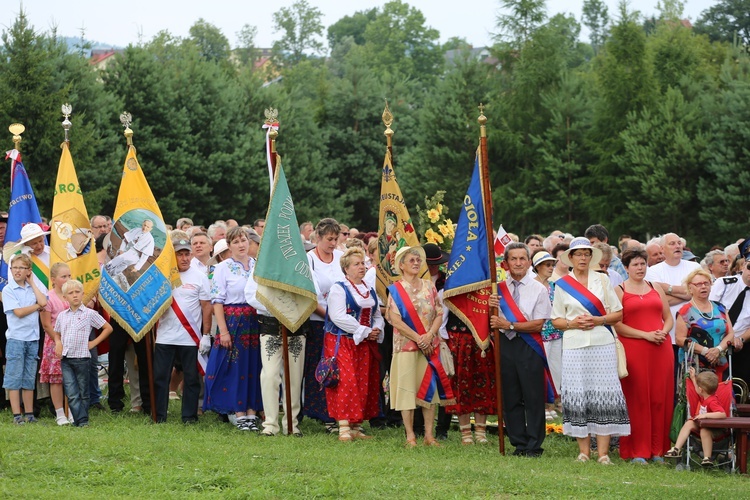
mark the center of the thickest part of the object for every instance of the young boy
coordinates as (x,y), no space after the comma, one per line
(22,301)
(709,406)
(73,327)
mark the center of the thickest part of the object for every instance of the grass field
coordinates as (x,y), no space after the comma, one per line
(125,455)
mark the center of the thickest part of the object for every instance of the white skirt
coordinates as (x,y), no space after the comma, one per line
(592,399)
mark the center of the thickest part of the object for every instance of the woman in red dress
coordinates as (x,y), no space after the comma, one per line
(649,386)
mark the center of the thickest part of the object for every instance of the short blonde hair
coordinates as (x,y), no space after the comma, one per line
(348,255)
(22,257)
(698,272)
(708,381)
(72,285)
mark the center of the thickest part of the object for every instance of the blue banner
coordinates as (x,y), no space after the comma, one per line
(21,210)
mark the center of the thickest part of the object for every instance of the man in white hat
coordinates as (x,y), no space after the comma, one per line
(32,243)
(136,247)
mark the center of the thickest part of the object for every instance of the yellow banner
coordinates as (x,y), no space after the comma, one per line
(71,239)
(137,281)
(395,229)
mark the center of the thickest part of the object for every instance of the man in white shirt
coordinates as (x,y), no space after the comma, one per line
(733,293)
(201,246)
(136,247)
(178,334)
(717,263)
(522,366)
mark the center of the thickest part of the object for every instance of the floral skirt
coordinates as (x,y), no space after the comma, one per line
(474,381)
(314,396)
(592,399)
(356,398)
(50,371)
(233,375)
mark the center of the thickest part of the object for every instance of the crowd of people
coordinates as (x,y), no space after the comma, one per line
(564,303)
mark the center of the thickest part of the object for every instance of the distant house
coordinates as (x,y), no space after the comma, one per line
(481,54)
(101,58)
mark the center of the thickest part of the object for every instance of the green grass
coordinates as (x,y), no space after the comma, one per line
(125,455)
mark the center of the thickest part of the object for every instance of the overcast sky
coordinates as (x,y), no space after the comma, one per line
(123,24)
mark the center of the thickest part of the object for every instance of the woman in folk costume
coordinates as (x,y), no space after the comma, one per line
(417,376)
(354,328)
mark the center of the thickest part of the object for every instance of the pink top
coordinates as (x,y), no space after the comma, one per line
(55,305)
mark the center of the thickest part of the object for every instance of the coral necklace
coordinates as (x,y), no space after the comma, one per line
(365,296)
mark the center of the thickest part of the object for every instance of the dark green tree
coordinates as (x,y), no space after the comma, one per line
(351,26)
(519,19)
(211,42)
(596,19)
(727,21)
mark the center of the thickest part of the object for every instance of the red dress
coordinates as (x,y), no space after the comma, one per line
(649,386)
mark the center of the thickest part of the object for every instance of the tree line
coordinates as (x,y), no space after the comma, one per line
(643,129)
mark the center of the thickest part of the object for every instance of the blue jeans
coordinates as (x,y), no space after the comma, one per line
(21,364)
(95,394)
(75,373)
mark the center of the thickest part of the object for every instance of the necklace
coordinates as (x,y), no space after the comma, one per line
(366,294)
(321,258)
(709,315)
(640,295)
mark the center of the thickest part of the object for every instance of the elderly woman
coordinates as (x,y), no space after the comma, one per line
(649,386)
(417,376)
(324,261)
(233,369)
(584,306)
(353,330)
(544,266)
(706,323)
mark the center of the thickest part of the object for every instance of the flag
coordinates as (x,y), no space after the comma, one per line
(501,241)
(395,229)
(71,239)
(467,285)
(136,284)
(285,283)
(22,208)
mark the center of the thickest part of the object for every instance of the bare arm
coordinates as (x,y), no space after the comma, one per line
(206,311)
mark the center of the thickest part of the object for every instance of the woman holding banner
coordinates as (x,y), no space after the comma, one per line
(584,306)
(417,376)
(233,369)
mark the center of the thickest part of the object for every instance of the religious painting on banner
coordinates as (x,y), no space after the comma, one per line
(137,281)
(71,239)
(395,230)
(467,284)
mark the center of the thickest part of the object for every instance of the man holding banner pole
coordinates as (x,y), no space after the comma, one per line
(178,334)
(523,307)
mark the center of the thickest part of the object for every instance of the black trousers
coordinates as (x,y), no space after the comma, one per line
(164,360)
(118,343)
(523,394)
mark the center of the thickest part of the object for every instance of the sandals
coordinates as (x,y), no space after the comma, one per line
(431,442)
(480,433)
(604,460)
(582,457)
(673,452)
(411,443)
(466,438)
(707,462)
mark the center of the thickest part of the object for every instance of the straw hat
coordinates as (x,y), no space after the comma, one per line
(542,256)
(220,247)
(402,253)
(581,243)
(28,232)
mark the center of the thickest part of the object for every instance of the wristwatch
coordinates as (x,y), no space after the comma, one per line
(669,290)
(512,326)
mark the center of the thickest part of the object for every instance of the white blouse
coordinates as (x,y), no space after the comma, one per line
(326,274)
(229,280)
(337,312)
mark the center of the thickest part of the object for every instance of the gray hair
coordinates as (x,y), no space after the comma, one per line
(731,248)
(213,227)
(181,221)
(663,239)
(711,255)
(656,240)
(515,246)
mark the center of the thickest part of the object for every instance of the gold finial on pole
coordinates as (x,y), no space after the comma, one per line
(66,109)
(272,123)
(16,129)
(482,121)
(126,119)
(388,121)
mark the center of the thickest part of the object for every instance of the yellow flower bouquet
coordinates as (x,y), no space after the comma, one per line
(433,223)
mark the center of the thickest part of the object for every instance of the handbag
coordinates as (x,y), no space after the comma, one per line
(446,359)
(622,363)
(327,371)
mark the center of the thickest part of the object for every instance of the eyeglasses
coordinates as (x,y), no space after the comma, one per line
(19,268)
(582,254)
(701,284)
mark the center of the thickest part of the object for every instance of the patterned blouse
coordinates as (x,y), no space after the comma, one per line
(427,304)
(229,280)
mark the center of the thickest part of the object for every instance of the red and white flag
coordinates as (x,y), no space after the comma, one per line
(501,241)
